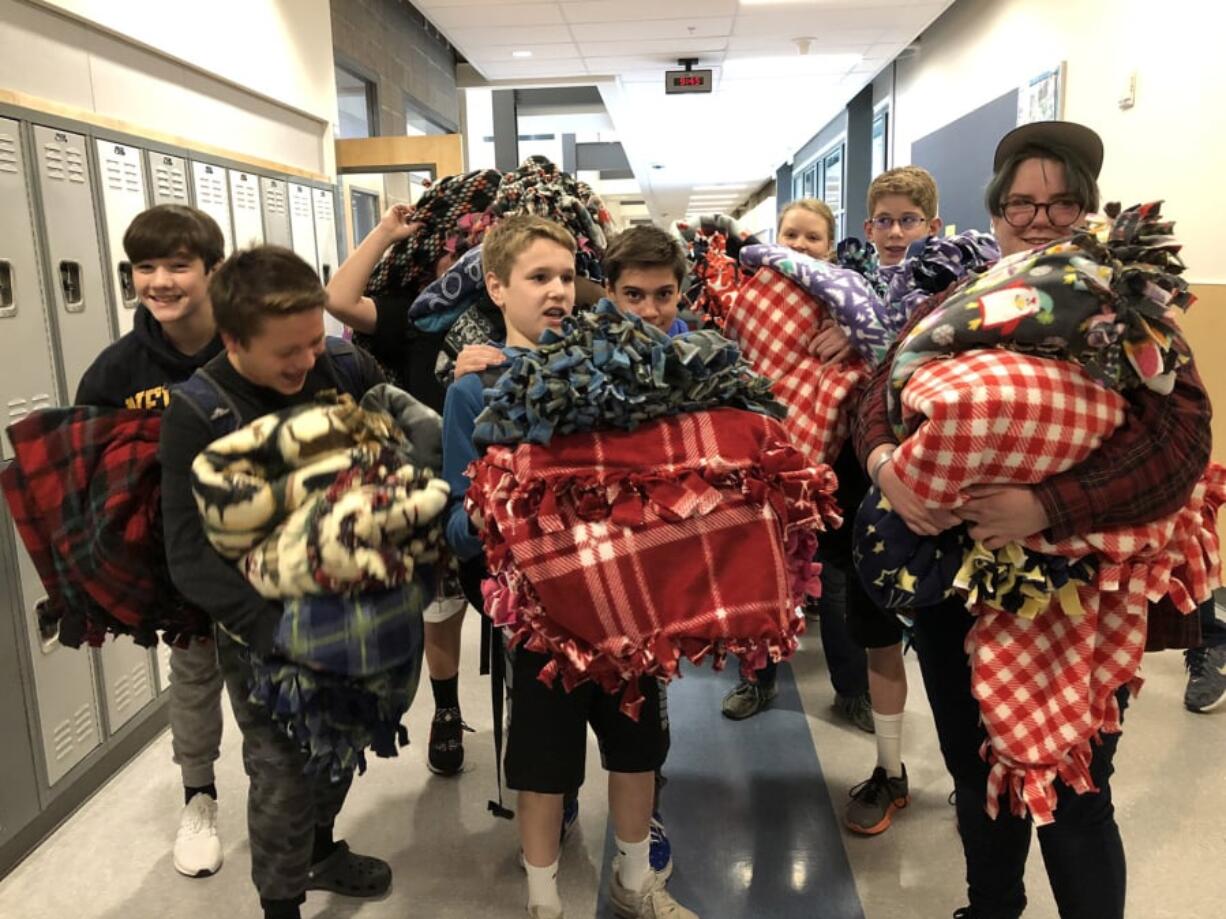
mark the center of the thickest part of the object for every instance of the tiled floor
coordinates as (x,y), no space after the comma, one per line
(752,840)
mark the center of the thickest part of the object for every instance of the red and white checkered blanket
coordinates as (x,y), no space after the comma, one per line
(1046,684)
(618,552)
(773,319)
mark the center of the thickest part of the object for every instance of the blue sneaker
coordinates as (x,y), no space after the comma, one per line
(661,856)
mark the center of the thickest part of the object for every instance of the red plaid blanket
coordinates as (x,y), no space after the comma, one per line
(1046,685)
(987,417)
(619,552)
(772,320)
(84,489)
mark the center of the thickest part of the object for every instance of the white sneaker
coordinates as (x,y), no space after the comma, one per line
(653,901)
(197,847)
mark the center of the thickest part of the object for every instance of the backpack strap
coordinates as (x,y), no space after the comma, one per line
(209,401)
(344,359)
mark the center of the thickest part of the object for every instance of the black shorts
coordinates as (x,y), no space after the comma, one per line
(547,731)
(869,625)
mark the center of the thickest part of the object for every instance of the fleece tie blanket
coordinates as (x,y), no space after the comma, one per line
(334,509)
(620,552)
(871,304)
(1071,615)
(717,278)
(84,489)
(773,319)
(607,369)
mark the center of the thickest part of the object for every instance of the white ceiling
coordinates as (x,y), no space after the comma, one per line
(767,102)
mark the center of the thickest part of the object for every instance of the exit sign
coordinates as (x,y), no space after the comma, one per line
(687,81)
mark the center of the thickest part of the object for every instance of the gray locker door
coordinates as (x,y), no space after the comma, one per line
(302,224)
(169,174)
(213,198)
(162,658)
(245,206)
(26,352)
(19,799)
(276,212)
(123,197)
(81,310)
(63,677)
(127,680)
(325,232)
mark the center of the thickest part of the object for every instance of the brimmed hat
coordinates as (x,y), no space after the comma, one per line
(1068,134)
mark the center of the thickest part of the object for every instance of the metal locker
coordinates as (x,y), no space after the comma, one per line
(162,658)
(302,224)
(63,677)
(325,232)
(123,197)
(169,177)
(212,197)
(276,212)
(127,680)
(26,351)
(245,206)
(81,311)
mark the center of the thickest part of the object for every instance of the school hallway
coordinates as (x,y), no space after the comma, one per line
(752,808)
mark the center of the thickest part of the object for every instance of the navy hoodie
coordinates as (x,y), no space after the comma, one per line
(138,370)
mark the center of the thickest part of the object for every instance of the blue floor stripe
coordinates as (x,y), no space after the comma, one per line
(753,831)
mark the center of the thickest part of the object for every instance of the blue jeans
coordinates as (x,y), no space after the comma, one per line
(1082,850)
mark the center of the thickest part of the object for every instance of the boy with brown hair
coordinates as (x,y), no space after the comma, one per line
(268,305)
(902,208)
(173,251)
(530,275)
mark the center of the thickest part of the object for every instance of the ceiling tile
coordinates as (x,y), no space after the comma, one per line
(498,53)
(471,39)
(657,29)
(667,48)
(500,14)
(632,10)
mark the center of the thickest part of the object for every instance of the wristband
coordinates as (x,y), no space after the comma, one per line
(875,473)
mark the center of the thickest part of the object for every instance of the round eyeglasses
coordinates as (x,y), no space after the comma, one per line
(907,222)
(1059,213)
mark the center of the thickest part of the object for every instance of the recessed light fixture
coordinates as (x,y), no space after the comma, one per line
(521,54)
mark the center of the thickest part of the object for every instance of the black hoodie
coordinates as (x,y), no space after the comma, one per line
(138,370)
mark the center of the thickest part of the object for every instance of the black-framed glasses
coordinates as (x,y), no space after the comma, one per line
(1059,213)
(907,222)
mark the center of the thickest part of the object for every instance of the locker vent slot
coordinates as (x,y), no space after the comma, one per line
(123,694)
(84,720)
(76,166)
(63,740)
(53,158)
(19,408)
(8,153)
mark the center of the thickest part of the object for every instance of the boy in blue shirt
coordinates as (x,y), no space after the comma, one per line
(530,271)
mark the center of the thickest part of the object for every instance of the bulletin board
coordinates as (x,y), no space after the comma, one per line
(959,156)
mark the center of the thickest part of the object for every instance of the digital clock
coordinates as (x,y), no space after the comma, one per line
(687,81)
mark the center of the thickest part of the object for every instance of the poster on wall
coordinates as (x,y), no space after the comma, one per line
(1042,97)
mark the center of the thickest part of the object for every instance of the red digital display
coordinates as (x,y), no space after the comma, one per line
(687,81)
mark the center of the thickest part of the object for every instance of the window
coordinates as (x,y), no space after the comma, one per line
(357,114)
(365,206)
(823,178)
(881,135)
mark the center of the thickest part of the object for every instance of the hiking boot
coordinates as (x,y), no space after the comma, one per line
(197,851)
(874,801)
(747,699)
(1206,688)
(652,901)
(661,855)
(856,710)
(446,750)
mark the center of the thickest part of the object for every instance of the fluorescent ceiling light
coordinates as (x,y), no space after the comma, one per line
(792,66)
(521,54)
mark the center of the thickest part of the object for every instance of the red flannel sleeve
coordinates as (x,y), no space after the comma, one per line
(1146,469)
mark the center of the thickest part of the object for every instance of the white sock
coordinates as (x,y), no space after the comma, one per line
(889,743)
(543,885)
(635,863)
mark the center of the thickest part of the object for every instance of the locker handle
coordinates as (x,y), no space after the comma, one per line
(8,309)
(48,627)
(127,287)
(70,286)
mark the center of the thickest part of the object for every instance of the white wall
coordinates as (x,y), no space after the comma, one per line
(761,219)
(1168,146)
(252,76)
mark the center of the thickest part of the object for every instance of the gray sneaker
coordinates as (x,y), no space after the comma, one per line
(857,710)
(874,801)
(747,699)
(653,901)
(1206,678)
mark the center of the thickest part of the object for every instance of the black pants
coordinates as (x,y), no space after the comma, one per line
(1082,850)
